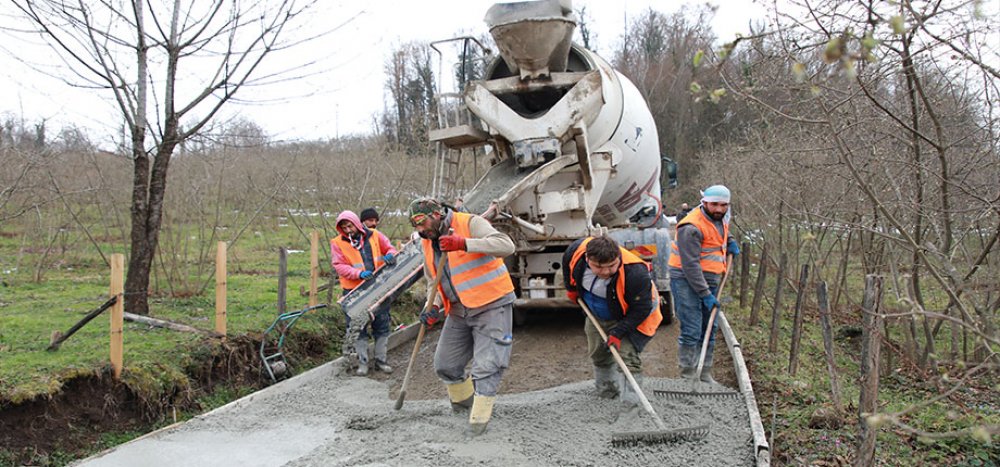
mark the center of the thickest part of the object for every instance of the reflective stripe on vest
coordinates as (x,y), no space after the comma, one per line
(477,278)
(647,326)
(713,246)
(354,256)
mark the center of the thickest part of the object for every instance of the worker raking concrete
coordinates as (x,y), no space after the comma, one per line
(356,254)
(697,264)
(475,301)
(616,285)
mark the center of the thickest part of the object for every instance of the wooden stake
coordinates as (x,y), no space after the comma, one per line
(282,278)
(871,344)
(758,289)
(824,322)
(117,312)
(793,353)
(313,268)
(220,289)
(744,273)
(772,343)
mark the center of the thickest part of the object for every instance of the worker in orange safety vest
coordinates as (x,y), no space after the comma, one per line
(696,266)
(475,299)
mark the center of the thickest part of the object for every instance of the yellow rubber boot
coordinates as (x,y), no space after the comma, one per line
(479,417)
(460,395)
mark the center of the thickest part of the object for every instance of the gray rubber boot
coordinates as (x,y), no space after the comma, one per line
(361,347)
(687,359)
(606,382)
(382,353)
(706,370)
(628,395)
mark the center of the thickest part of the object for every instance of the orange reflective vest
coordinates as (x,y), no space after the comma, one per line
(477,278)
(354,256)
(713,246)
(647,326)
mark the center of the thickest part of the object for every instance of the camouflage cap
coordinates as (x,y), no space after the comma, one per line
(421,208)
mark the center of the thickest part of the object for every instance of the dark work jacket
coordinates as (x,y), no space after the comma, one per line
(637,282)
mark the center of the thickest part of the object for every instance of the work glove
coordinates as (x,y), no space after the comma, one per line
(430,315)
(572,295)
(709,301)
(615,337)
(365,275)
(732,247)
(451,243)
(389,258)
(615,342)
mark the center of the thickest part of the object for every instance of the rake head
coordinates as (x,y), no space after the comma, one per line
(685,394)
(634,438)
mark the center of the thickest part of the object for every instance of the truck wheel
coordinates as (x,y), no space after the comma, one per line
(520,317)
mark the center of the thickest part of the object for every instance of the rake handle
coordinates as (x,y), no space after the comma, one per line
(621,364)
(431,295)
(711,319)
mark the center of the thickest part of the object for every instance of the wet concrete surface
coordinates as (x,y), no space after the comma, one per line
(547,413)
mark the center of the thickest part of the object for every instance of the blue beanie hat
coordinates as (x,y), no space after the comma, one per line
(715,194)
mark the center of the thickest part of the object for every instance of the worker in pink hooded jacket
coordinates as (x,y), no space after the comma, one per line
(356,253)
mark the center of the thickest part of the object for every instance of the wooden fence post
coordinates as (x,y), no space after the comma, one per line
(793,353)
(871,345)
(117,312)
(282,278)
(824,322)
(220,288)
(772,342)
(758,289)
(313,268)
(744,273)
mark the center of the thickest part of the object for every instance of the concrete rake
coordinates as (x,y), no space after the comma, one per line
(663,435)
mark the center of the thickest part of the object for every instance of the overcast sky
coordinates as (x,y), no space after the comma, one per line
(344,98)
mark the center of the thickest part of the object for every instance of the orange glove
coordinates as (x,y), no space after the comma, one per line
(452,243)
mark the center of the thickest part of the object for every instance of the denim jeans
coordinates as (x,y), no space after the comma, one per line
(692,315)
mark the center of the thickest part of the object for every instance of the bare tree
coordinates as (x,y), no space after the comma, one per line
(170,67)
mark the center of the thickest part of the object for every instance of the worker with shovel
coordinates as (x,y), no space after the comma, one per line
(474,297)
(616,286)
(356,253)
(697,264)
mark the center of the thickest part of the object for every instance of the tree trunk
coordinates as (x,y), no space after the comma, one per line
(147,215)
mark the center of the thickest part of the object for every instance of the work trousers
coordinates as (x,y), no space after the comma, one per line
(692,315)
(598,351)
(485,339)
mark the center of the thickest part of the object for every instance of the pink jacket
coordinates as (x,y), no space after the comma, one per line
(339,262)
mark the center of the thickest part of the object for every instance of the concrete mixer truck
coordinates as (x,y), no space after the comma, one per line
(574,152)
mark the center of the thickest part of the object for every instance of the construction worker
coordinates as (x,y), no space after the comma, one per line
(369,217)
(356,254)
(697,263)
(475,298)
(616,286)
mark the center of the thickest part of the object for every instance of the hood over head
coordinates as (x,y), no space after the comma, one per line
(350,216)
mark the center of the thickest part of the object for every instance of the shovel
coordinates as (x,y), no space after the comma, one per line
(431,295)
(663,435)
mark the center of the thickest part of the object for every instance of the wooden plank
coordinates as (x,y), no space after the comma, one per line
(117,312)
(159,323)
(220,288)
(744,273)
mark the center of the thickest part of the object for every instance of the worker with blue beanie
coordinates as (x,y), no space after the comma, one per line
(697,264)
